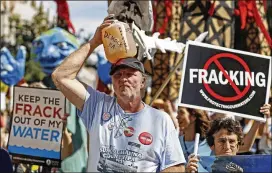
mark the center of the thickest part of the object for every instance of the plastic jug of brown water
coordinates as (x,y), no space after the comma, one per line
(118,41)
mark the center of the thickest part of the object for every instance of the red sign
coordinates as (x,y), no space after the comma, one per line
(146,138)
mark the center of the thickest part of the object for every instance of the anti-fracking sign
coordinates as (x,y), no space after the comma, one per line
(37,125)
(225,80)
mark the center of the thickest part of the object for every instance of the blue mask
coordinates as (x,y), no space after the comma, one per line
(12,70)
(52,47)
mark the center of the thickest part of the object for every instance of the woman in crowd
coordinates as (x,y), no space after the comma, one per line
(192,121)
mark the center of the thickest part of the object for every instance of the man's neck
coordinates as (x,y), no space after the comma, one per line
(189,132)
(132,106)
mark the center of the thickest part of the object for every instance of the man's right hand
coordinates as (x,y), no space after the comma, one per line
(97,38)
(192,163)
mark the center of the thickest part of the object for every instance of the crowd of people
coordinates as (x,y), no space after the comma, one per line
(127,135)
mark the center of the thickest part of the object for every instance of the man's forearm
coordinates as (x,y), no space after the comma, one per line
(176,168)
(73,63)
(64,76)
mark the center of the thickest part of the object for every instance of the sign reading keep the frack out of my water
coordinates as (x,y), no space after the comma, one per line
(37,125)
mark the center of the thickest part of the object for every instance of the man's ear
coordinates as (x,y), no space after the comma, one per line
(143,82)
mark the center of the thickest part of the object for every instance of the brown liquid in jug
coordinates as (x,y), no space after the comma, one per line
(118,42)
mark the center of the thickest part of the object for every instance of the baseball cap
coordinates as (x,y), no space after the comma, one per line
(127,62)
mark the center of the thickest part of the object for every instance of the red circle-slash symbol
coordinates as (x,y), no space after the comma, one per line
(146,138)
(129,131)
(221,68)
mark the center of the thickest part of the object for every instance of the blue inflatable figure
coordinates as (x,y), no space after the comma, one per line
(12,69)
(52,47)
(103,69)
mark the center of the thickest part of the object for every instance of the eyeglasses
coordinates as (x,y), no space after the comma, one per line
(232,143)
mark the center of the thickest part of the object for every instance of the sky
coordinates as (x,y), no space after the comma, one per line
(83,14)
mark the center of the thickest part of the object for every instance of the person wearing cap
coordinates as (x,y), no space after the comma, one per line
(126,135)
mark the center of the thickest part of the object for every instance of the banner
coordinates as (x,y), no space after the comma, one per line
(240,163)
(37,124)
(225,80)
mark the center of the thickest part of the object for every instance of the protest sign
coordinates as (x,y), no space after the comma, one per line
(225,80)
(240,163)
(37,125)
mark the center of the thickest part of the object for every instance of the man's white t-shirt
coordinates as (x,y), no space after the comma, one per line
(128,142)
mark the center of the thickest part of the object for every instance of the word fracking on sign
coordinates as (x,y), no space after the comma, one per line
(239,78)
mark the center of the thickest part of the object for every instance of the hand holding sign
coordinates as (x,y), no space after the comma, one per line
(12,70)
(192,165)
(265,109)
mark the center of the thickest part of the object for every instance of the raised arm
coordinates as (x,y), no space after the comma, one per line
(192,165)
(250,138)
(251,135)
(64,76)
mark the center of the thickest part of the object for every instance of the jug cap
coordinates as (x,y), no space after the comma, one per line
(127,62)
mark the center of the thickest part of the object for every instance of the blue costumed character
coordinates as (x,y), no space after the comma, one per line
(12,69)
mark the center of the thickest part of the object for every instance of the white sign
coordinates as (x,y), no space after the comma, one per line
(37,122)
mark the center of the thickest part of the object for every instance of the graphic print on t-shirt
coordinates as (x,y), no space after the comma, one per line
(115,160)
(118,124)
(129,131)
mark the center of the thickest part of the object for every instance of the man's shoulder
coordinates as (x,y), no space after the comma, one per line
(91,91)
(158,113)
